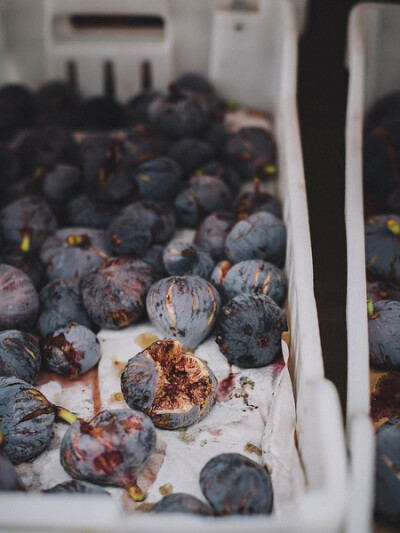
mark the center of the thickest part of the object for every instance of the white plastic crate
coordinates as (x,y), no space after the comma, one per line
(373,58)
(251,56)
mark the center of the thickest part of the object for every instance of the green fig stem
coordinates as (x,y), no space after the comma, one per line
(25,243)
(135,493)
(74,240)
(393,226)
(270,170)
(64,414)
(370,307)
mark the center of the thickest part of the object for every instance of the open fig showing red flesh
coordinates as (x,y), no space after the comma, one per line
(173,387)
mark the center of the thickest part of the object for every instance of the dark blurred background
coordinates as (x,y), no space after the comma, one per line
(322,93)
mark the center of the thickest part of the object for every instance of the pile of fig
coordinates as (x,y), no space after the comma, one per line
(381,171)
(91,195)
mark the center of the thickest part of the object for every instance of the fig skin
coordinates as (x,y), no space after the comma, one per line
(249,330)
(183,257)
(384,334)
(234,484)
(175,389)
(184,307)
(75,487)
(19,355)
(182,503)
(111,449)
(26,419)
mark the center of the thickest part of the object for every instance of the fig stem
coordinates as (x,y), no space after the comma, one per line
(74,240)
(256,187)
(370,307)
(64,414)
(393,226)
(25,243)
(135,493)
(270,169)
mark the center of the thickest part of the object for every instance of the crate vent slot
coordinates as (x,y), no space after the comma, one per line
(109,79)
(146,76)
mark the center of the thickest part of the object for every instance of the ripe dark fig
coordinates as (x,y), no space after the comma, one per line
(9,478)
(60,303)
(384,334)
(387,481)
(191,154)
(71,350)
(201,196)
(129,234)
(159,179)
(70,253)
(234,484)
(182,503)
(19,355)
(76,487)
(249,330)
(211,235)
(383,290)
(114,293)
(27,222)
(183,257)
(260,236)
(159,217)
(29,262)
(253,150)
(218,276)
(382,247)
(111,449)
(183,307)
(255,201)
(256,276)
(19,301)
(26,419)
(86,213)
(175,389)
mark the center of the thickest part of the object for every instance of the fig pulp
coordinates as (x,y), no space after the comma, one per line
(175,389)
(111,449)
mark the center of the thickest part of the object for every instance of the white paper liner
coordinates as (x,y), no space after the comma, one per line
(254,414)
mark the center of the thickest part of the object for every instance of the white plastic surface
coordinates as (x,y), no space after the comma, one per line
(373,57)
(269,82)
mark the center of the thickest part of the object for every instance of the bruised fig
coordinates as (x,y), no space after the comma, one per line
(182,503)
(26,419)
(184,307)
(111,449)
(234,484)
(9,478)
(175,389)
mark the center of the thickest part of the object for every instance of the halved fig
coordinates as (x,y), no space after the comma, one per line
(173,387)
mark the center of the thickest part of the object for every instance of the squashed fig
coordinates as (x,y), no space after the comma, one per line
(111,449)
(234,484)
(175,389)
(184,307)
(182,503)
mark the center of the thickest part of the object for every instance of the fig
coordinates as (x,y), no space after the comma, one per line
(387,482)
(19,355)
(249,330)
(183,257)
(19,301)
(182,503)
(234,484)
(110,449)
(26,419)
(382,247)
(76,487)
(384,334)
(9,478)
(183,307)
(175,389)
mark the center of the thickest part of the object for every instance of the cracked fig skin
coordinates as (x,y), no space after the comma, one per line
(111,449)
(175,389)
(183,307)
